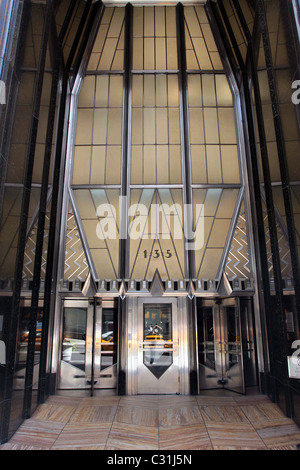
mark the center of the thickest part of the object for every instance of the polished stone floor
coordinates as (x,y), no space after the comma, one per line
(213,422)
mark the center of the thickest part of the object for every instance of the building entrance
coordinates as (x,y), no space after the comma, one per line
(89,347)
(158,370)
(225,345)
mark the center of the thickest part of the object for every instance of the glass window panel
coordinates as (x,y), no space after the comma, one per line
(174,126)
(149,164)
(137,126)
(160,29)
(87,93)
(224,95)
(137,165)
(99,42)
(198,160)
(90,230)
(84,126)
(74,334)
(103,264)
(85,204)
(138,21)
(113,166)
(209,94)
(149,90)
(172,63)
(161,90)
(171,21)
(216,60)
(149,126)
(211,126)
(175,164)
(137,90)
(98,164)
(101,98)
(162,126)
(116,23)
(160,54)
(100,126)
(195,90)
(208,37)
(149,21)
(214,171)
(138,56)
(173,96)
(219,233)
(227,126)
(202,54)
(149,53)
(118,60)
(191,60)
(192,22)
(212,200)
(196,126)
(210,263)
(162,164)
(227,203)
(81,170)
(114,132)
(230,164)
(108,54)
(116,90)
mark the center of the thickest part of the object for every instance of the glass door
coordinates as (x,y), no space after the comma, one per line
(158,371)
(89,349)
(220,351)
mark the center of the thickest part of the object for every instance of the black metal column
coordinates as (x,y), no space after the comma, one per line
(125,193)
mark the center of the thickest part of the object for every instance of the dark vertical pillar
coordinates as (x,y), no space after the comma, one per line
(125,178)
(188,197)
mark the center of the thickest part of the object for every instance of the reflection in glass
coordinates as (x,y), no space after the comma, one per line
(74,337)
(206,339)
(158,339)
(108,345)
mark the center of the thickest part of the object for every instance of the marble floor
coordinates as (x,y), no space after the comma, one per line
(203,422)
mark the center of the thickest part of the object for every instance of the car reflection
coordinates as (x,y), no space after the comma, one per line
(158,341)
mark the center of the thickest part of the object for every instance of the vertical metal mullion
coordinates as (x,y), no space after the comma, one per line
(125,192)
(281,152)
(187,196)
(58,168)
(266,170)
(25,212)
(126,140)
(183,100)
(253,171)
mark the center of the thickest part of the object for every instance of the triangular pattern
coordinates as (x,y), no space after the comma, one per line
(29,254)
(238,263)
(283,246)
(149,254)
(76,266)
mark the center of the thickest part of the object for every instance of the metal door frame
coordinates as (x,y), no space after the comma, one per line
(134,309)
(221,346)
(92,378)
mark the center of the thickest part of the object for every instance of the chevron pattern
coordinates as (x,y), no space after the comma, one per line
(237,263)
(29,254)
(76,266)
(283,246)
